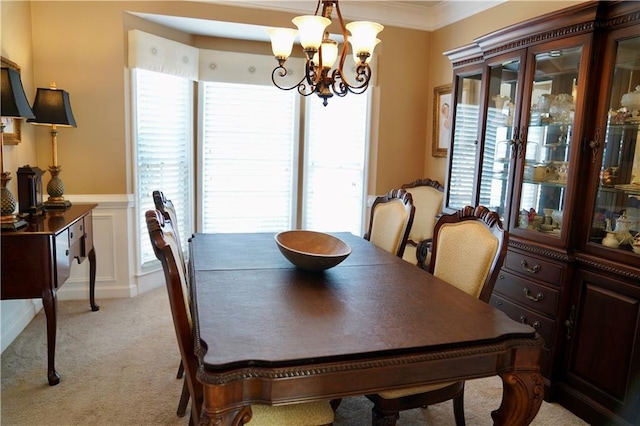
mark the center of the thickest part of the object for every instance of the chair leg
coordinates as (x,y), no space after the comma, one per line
(184,399)
(180,371)
(383,418)
(335,403)
(458,409)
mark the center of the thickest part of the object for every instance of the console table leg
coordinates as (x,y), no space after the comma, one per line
(92,280)
(49,300)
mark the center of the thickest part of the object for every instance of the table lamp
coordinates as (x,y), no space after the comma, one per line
(52,107)
(13,104)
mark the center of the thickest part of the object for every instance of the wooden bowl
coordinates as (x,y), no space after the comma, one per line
(311,250)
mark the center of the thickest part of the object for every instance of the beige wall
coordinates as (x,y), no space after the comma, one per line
(81,46)
(15,41)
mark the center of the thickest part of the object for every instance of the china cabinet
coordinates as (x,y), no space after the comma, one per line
(545,132)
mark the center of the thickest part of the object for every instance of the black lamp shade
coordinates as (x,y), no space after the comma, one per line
(52,106)
(13,101)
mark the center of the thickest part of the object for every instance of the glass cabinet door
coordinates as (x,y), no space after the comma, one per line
(464,146)
(545,145)
(499,135)
(616,217)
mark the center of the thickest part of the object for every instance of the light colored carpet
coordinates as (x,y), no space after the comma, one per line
(118,367)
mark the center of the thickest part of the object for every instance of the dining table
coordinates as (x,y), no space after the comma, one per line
(267,332)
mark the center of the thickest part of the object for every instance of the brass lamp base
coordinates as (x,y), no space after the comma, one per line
(12,223)
(56,204)
(8,220)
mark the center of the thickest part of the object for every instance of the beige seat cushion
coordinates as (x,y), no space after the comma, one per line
(306,414)
(409,254)
(399,393)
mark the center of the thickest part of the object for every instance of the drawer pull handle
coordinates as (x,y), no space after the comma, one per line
(536,324)
(526,267)
(538,297)
(67,252)
(71,235)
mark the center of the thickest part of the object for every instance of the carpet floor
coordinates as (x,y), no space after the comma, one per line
(118,367)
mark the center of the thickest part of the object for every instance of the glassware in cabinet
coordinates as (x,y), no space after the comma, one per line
(549,135)
(615,220)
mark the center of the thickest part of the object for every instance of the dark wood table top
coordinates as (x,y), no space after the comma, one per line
(254,308)
(53,221)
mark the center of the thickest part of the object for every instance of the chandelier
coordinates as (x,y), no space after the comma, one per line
(321,53)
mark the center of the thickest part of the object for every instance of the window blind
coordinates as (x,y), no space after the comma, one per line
(163,141)
(249,161)
(461,176)
(335,163)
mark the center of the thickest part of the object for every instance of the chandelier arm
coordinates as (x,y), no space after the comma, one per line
(312,75)
(363,76)
(281,71)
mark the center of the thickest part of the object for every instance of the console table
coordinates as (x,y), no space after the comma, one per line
(36,261)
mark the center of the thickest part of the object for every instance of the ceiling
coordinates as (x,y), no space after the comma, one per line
(419,15)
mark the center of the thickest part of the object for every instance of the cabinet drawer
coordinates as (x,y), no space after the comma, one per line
(534,267)
(527,293)
(76,231)
(543,325)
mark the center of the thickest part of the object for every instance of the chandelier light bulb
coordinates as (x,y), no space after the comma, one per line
(311,29)
(363,36)
(282,41)
(329,54)
(356,58)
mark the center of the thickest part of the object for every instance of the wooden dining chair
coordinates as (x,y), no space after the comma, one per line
(165,206)
(469,247)
(390,221)
(166,248)
(427,197)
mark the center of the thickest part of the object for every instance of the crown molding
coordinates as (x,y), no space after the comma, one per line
(428,16)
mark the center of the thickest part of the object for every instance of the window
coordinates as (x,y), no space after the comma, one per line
(163,148)
(267,159)
(335,164)
(250,169)
(249,161)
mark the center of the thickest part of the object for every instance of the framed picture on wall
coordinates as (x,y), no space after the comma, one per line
(441,120)
(11,134)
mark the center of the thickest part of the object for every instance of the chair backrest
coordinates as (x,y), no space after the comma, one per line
(427,197)
(165,206)
(469,247)
(390,222)
(167,249)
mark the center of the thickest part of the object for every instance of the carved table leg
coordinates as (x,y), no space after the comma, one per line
(92,280)
(49,300)
(235,417)
(521,398)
